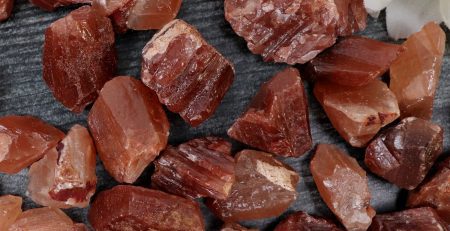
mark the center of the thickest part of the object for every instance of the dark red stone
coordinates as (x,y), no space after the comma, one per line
(352,16)
(6,7)
(235,227)
(51,5)
(301,221)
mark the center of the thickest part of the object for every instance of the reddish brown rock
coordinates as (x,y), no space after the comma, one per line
(189,76)
(6,7)
(65,177)
(79,63)
(136,208)
(410,147)
(415,74)
(235,227)
(357,113)
(277,120)
(129,127)
(352,16)
(51,5)
(199,168)
(354,61)
(264,187)
(343,185)
(10,210)
(301,221)
(419,219)
(24,140)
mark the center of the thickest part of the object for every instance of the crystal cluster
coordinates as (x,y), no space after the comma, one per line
(6,7)
(10,210)
(51,5)
(301,221)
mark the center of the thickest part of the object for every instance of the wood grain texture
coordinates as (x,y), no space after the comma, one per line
(22,91)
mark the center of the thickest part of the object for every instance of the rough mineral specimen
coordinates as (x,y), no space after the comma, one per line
(65,177)
(10,210)
(235,227)
(357,113)
(24,140)
(354,61)
(51,5)
(129,127)
(137,208)
(79,57)
(281,31)
(277,120)
(419,219)
(415,74)
(199,168)
(189,76)
(343,185)
(6,7)
(264,187)
(301,221)
(410,147)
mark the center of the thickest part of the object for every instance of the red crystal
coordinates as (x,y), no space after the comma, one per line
(301,221)
(51,5)
(79,57)
(24,140)
(235,227)
(352,16)
(10,210)
(189,76)
(277,120)
(6,7)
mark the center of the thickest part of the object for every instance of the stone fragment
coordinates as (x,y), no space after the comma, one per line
(354,61)
(51,5)
(6,7)
(24,140)
(235,227)
(79,57)
(277,120)
(65,177)
(352,16)
(264,187)
(415,74)
(10,210)
(419,219)
(129,127)
(135,208)
(189,76)
(410,147)
(357,113)
(301,221)
(343,185)
(198,168)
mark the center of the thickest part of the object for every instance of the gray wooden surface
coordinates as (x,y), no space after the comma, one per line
(22,91)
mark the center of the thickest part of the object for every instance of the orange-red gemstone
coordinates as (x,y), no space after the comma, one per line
(301,221)
(10,210)
(6,7)
(51,5)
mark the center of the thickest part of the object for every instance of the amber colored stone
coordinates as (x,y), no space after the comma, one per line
(10,210)
(301,221)
(410,147)
(198,168)
(79,57)
(354,61)
(419,219)
(343,185)
(65,177)
(24,140)
(277,120)
(352,16)
(235,227)
(415,74)
(357,113)
(135,208)
(51,5)
(264,187)
(117,10)
(129,127)
(6,7)
(189,76)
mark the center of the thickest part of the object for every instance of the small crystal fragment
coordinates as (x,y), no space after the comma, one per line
(129,127)
(357,113)
(6,7)
(189,76)
(410,147)
(301,221)
(51,5)
(137,208)
(199,168)
(352,16)
(65,177)
(264,187)
(235,227)
(415,74)
(419,219)
(10,210)
(354,61)
(277,120)
(343,185)
(24,140)
(79,57)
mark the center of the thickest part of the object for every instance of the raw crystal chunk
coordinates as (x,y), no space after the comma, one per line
(189,76)
(24,140)
(6,7)
(10,210)
(415,74)
(277,120)
(301,221)
(419,219)
(264,187)
(79,57)
(235,227)
(357,113)
(354,61)
(410,147)
(65,177)
(137,208)
(352,16)
(129,127)
(343,185)
(199,168)
(51,5)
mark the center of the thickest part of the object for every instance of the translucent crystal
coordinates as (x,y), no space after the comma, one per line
(301,221)
(6,7)
(10,210)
